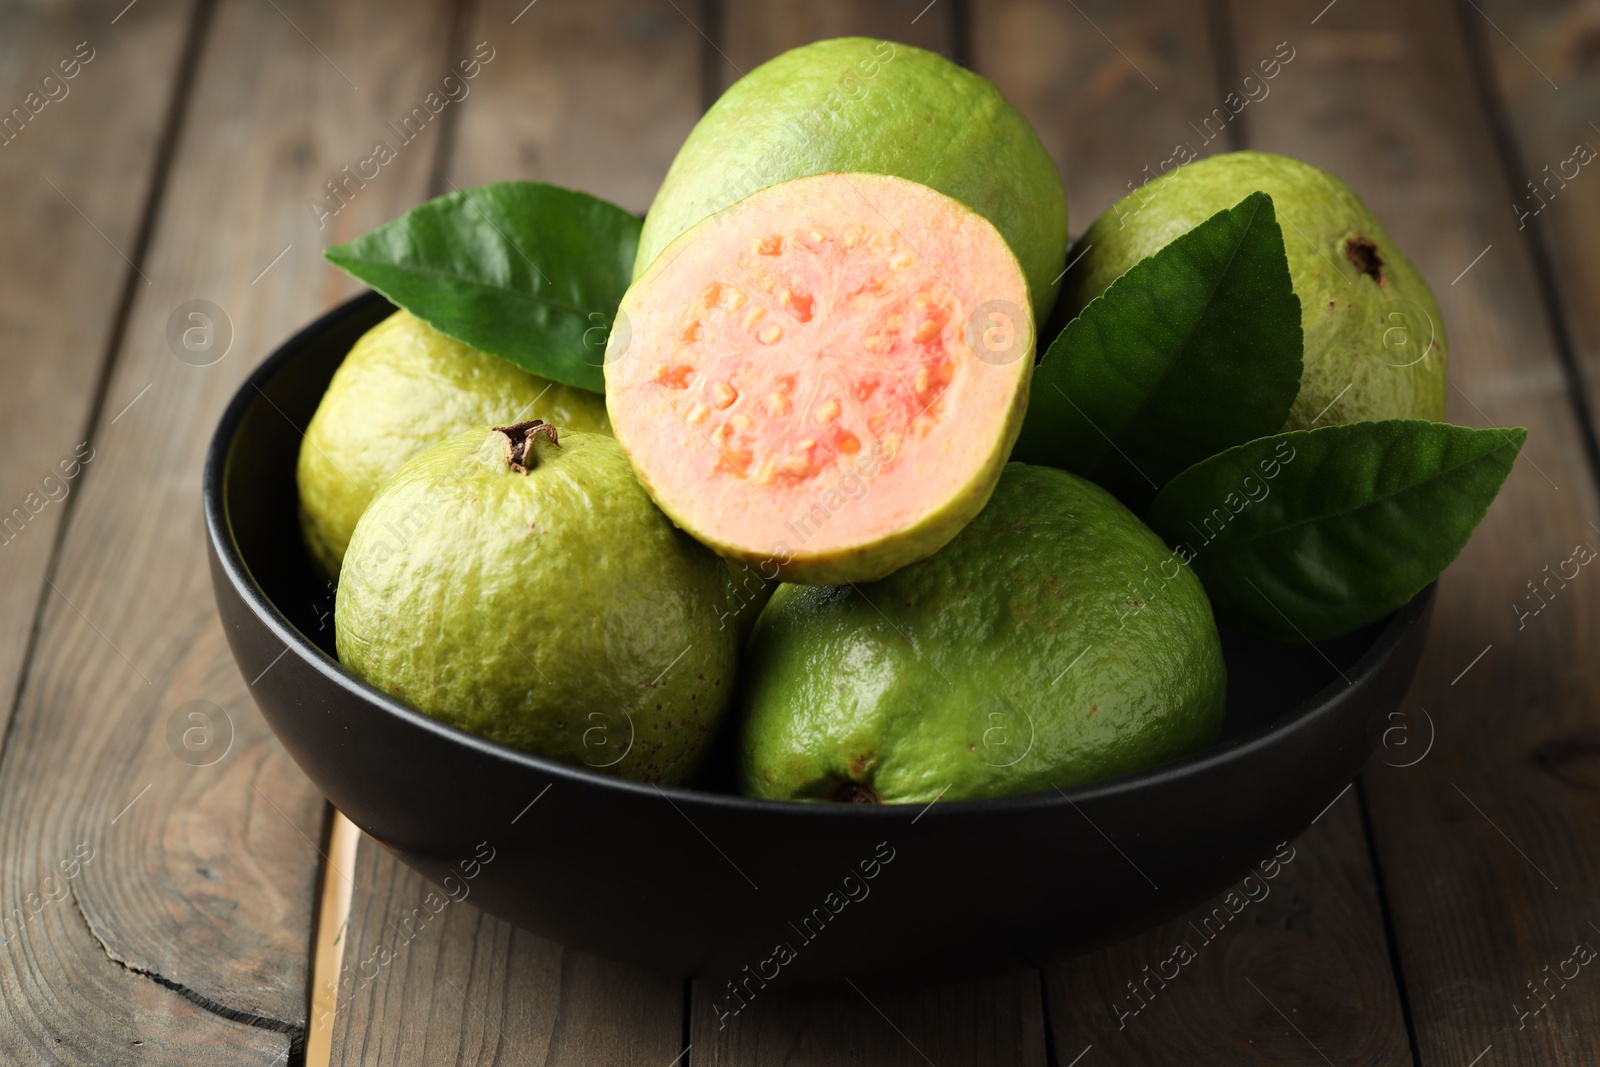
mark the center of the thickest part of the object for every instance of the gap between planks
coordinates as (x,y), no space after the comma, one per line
(333,923)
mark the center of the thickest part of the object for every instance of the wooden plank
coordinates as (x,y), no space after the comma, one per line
(754,33)
(1115,97)
(980,1023)
(333,927)
(1542,62)
(594,96)
(430,981)
(1112,96)
(1293,966)
(65,273)
(1473,841)
(597,96)
(997,1021)
(187,937)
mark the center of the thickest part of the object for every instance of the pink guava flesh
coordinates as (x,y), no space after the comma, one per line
(825,379)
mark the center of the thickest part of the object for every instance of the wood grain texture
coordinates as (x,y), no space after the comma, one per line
(753,33)
(1112,88)
(1474,840)
(988,1023)
(1544,65)
(186,938)
(1315,947)
(596,96)
(332,936)
(65,273)
(429,980)
(1291,966)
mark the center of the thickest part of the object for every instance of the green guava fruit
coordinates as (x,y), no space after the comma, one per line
(1374,341)
(854,104)
(750,593)
(521,586)
(405,386)
(825,380)
(1056,641)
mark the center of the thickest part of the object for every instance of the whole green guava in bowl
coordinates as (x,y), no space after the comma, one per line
(517,583)
(405,386)
(1055,641)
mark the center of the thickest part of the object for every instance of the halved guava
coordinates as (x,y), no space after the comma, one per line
(826,379)
(878,107)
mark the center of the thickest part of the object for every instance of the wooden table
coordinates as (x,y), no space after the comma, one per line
(165,910)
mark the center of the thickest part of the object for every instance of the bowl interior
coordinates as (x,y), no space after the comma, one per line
(261,502)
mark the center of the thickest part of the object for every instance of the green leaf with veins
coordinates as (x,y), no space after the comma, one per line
(1195,349)
(1311,534)
(526,271)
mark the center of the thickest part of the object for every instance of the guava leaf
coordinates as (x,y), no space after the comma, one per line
(1195,349)
(526,271)
(1311,534)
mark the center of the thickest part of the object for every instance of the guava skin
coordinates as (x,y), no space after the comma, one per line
(752,588)
(405,386)
(540,600)
(1056,641)
(854,104)
(1371,323)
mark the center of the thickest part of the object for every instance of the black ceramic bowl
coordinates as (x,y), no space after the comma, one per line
(694,882)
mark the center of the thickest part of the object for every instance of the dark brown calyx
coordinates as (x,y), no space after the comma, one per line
(855,793)
(1364,254)
(521,441)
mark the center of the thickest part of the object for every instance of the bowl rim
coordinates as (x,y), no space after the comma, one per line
(1301,716)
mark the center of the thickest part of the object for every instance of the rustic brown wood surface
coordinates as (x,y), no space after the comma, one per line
(595,96)
(463,987)
(751,34)
(1485,846)
(186,937)
(1303,969)
(67,233)
(1542,63)
(1111,95)
(186,159)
